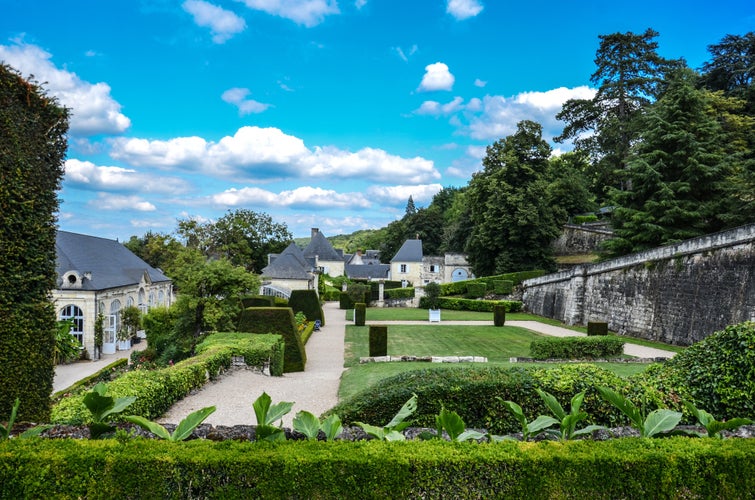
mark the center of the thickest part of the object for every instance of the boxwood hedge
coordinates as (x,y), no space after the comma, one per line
(623,468)
(577,347)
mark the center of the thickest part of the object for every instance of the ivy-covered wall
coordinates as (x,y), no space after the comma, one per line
(32,150)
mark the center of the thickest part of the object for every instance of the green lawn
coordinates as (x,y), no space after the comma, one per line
(414,314)
(497,344)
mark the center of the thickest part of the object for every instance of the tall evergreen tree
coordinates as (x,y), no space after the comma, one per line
(410,208)
(628,76)
(32,150)
(676,173)
(513,224)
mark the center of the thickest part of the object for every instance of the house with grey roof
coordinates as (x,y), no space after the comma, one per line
(325,256)
(101,276)
(410,265)
(366,266)
(287,271)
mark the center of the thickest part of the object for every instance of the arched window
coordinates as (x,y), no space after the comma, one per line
(74,313)
(142,301)
(160,298)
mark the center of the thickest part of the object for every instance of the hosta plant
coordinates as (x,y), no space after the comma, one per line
(712,426)
(182,431)
(102,408)
(309,425)
(392,431)
(568,421)
(529,429)
(656,422)
(267,415)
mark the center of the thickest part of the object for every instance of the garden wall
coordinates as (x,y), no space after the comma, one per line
(581,239)
(677,294)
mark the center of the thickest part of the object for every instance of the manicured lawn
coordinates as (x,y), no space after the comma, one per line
(497,344)
(494,343)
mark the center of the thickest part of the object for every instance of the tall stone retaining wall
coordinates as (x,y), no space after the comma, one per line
(677,294)
(581,239)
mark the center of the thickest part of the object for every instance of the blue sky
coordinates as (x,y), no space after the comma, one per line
(321,113)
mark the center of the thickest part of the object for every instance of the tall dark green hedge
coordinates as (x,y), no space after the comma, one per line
(378,340)
(280,321)
(307,302)
(32,150)
(360,313)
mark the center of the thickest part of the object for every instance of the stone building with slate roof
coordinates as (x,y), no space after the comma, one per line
(287,271)
(366,266)
(324,255)
(410,265)
(98,275)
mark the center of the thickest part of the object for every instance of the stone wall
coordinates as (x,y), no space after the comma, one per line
(677,294)
(581,239)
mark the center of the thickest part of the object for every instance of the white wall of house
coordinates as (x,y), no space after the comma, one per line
(409,271)
(144,295)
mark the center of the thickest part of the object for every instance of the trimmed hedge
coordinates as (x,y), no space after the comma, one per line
(597,328)
(307,302)
(478,305)
(622,468)
(360,313)
(280,321)
(502,287)
(378,340)
(398,293)
(158,390)
(499,315)
(577,347)
(460,287)
(344,301)
(474,392)
(476,289)
(717,374)
(258,301)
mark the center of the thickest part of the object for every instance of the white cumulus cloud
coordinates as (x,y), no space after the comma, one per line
(499,115)
(88,176)
(305,12)
(238,97)
(114,202)
(257,154)
(375,165)
(434,108)
(93,109)
(437,77)
(223,23)
(397,195)
(479,83)
(306,197)
(463,9)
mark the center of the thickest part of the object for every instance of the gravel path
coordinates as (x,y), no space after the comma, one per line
(314,390)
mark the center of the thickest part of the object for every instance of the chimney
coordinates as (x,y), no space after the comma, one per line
(315,231)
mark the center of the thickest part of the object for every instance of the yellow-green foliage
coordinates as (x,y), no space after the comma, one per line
(158,390)
(677,467)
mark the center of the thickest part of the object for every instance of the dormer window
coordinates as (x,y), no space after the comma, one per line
(72,279)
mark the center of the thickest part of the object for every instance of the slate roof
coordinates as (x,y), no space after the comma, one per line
(374,271)
(289,264)
(111,264)
(320,246)
(410,251)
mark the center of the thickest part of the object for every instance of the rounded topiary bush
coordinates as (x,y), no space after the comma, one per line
(716,374)
(477,395)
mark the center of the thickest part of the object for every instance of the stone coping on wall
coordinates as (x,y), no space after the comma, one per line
(424,359)
(737,236)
